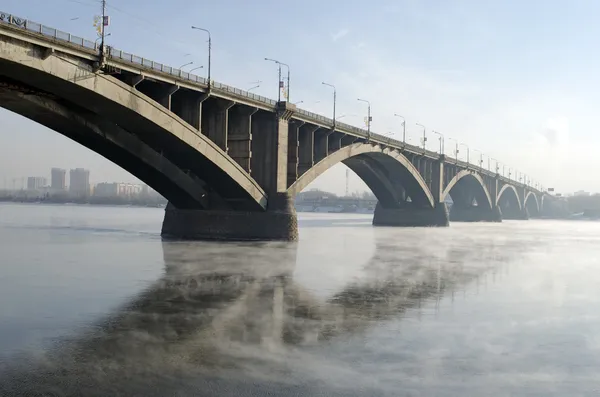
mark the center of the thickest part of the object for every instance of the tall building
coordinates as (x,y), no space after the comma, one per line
(79,182)
(36,183)
(58,179)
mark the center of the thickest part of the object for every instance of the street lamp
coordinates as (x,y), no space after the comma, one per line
(196,68)
(462,144)
(334,99)
(209,49)
(403,128)
(456,151)
(280,81)
(184,65)
(480,157)
(298,103)
(102,38)
(368,118)
(441,141)
(424,135)
(496,162)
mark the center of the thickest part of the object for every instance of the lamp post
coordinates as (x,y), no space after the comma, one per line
(403,128)
(184,65)
(279,64)
(209,50)
(368,118)
(480,157)
(496,162)
(456,151)
(465,145)
(424,136)
(441,141)
(196,68)
(334,99)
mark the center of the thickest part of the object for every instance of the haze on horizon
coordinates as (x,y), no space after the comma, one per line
(514,80)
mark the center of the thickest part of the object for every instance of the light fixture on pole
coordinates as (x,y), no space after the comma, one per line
(209,50)
(456,151)
(403,128)
(424,136)
(462,144)
(480,157)
(196,68)
(334,100)
(368,118)
(186,64)
(441,141)
(496,162)
(279,64)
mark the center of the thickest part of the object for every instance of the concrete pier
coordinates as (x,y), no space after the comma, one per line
(515,214)
(475,214)
(278,223)
(411,216)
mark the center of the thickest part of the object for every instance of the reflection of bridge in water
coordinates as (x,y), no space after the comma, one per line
(240,309)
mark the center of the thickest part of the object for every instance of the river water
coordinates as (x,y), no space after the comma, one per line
(93,303)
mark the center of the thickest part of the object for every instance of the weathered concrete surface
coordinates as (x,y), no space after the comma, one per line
(278,223)
(74,81)
(475,214)
(411,216)
(384,156)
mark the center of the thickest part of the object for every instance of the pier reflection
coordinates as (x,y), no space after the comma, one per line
(234,312)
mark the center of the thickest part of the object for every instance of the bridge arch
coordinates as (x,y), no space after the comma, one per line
(473,182)
(509,193)
(374,164)
(112,142)
(532,204)
(77,86)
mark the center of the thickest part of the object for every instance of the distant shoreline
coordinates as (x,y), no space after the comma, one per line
(4,200)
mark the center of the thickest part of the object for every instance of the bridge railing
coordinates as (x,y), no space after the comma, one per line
(114,53)
(148,64)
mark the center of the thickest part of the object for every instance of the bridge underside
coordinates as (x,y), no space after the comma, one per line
(229,166)
(472,202)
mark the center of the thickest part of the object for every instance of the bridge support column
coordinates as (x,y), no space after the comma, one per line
(239,136)
(515,214)
(215,118)
(411,216)
(475,214)
(278,223)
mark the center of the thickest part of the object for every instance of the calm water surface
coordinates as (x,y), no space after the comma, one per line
(93,303)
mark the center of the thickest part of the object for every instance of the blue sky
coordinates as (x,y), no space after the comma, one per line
(516,80)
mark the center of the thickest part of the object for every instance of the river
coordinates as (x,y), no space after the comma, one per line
(94,303)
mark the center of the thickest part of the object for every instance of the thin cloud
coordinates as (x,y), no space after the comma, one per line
(340,34)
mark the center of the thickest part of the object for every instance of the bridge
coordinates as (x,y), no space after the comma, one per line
(230,162)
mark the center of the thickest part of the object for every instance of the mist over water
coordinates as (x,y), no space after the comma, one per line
(95,304)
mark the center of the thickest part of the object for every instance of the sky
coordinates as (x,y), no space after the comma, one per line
(515,80)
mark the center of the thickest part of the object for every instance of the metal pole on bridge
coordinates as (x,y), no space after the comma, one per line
(209,50)
(424,136)
(334,99)
(465,145)
(441,141)
(403,128)
(279,82)
(456,151)
(497,166)
(368,118)
(480,157)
